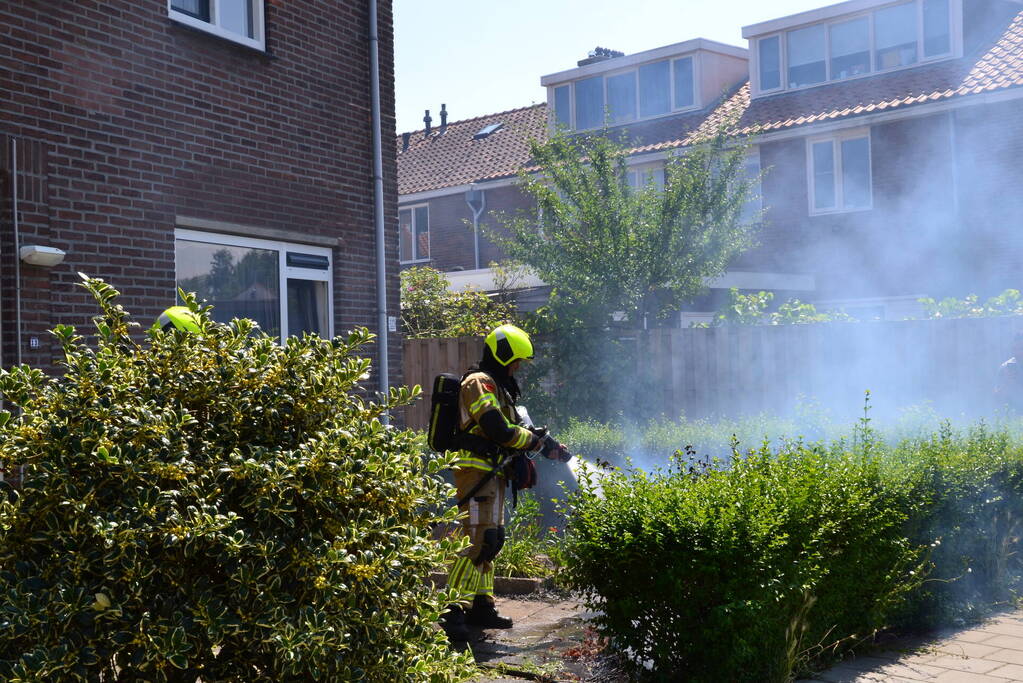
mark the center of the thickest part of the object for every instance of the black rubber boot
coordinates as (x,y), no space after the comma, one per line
(483,614)
(453,623)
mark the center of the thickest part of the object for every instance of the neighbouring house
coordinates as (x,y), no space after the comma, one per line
(221,146)
(890,133)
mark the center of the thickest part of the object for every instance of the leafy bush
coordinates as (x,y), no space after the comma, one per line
(751,309)
(215,505)
(430,309)
(1008,302)
(530,548)
(770,567)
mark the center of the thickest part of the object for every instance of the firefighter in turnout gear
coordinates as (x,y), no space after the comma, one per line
(487,414)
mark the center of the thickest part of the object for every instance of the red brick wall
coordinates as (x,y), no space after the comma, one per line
(899,246)
(451,235)
(140,119)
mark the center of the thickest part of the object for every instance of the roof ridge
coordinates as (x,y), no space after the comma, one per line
(481,116)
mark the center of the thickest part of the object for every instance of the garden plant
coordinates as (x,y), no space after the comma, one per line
(216,506)
(773,564)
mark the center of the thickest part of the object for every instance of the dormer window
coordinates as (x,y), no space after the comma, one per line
(832,47)
(617,89)
(651,90)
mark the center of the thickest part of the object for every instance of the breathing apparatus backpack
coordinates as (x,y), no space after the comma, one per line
(443,433)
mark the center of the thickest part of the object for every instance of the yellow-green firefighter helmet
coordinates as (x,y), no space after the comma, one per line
(508,344)
(178,317)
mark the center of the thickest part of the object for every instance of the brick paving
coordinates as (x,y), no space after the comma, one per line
(991,652)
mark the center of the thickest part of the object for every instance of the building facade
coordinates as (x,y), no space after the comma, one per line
(222,146)
(887,133)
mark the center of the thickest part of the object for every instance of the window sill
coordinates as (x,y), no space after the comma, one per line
(839,212)
(857,77)
(248,45)
(417,262)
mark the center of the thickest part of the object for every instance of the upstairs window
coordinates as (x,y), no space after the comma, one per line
(839,173)
(895,36)
(414,234)
(684,84)
(563,106)
(770,63)
(238,20)
(937,35)
(891,37)
(650,90)
(654,89)
(850,48)
(621,97)
(589,103)
(806,56)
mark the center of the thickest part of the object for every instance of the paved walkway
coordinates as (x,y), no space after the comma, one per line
(550,642)
(991,652)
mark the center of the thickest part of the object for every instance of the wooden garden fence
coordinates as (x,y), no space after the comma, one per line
(951,364)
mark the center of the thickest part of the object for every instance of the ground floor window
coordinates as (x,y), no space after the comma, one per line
(284,287)
(839,172)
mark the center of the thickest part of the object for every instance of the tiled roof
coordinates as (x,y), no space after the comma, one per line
(996,66)
(455,159)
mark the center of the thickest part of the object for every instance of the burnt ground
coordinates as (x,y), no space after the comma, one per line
(550,641)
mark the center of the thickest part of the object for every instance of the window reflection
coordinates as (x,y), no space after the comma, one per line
(850,48)
(307,307)
(895,36)
(239,282)
(806,56)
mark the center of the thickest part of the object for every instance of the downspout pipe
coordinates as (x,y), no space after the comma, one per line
(17,248)
(477,201)
(378,204)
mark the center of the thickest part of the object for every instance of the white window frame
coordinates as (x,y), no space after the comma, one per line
(672,111)
(429,233)
(643,174)
(782,61)
(284,271)
(955,13)
(836,140)
(757,201)
(258,39)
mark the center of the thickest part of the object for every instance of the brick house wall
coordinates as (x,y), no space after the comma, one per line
(451,236)
(942,199)
(127,120)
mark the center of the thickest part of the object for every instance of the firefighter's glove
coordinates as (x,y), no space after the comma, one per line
(549,448)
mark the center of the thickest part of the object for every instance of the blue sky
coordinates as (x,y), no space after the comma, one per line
(485,56)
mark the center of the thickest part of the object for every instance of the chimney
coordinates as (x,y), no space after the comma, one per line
(426,120)
(404,141)
(599,54)
(443,118)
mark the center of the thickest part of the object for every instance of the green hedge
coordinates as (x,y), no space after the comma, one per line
(215,505)
(775,565)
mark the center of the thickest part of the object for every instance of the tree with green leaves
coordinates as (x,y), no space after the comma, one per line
(614,252)
(606,247)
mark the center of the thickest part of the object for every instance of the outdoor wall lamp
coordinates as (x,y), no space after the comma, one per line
(41,256)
